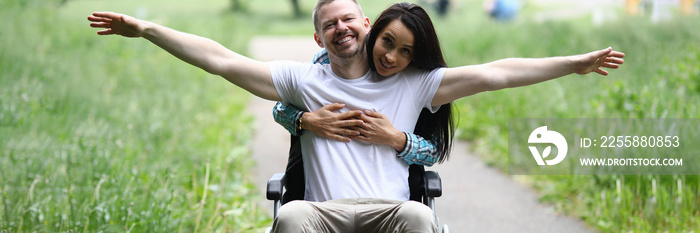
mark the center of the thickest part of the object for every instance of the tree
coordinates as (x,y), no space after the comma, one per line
(297,9)
(236,5)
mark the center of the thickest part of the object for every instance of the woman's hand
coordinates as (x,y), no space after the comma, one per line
(327,122)
(377,129)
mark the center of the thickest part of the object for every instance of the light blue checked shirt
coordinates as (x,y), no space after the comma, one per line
(418,150)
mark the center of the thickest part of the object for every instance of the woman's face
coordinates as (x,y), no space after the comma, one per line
(393,50)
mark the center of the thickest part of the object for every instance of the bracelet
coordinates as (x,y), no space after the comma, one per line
(300,126)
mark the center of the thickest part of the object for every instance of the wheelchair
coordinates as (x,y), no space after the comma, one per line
(425,188)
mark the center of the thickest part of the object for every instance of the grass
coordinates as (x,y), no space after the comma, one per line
(659,80)
(112,134)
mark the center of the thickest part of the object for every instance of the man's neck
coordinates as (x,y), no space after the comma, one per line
(350,68)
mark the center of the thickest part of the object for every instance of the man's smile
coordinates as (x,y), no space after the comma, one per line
(344,39)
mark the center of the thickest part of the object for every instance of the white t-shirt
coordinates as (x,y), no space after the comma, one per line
(335,169)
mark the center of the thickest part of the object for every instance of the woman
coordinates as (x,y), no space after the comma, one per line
(432,138)
(437,127)
(389,54)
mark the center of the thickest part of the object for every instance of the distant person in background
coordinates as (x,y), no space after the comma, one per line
(633,7)
(502,10)
(660,10)
(687,7)
(442,6)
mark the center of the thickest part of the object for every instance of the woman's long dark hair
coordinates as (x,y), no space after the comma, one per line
(438,127)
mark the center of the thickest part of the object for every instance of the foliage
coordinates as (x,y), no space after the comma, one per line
(110,134)
(659,79)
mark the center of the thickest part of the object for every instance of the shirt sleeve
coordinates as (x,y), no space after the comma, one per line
(430,82)
(419,151)
(288,115)
(321,57)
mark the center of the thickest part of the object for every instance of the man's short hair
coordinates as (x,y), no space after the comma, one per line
(322,3)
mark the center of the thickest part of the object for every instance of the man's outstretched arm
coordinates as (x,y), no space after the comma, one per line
(515,72)
(249,74)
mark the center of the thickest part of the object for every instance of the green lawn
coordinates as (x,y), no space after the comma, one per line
(660,79)
(113,134)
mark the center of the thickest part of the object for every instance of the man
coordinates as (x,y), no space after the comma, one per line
(354,170)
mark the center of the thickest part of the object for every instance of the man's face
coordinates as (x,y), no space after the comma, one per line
(342,29)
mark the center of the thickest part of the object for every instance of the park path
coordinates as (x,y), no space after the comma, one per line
(476,197)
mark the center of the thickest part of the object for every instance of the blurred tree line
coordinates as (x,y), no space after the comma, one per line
(238,5)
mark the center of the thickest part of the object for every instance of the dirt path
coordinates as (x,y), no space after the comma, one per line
(476,198)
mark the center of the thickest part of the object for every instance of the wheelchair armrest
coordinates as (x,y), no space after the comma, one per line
(275,186)
(433,184)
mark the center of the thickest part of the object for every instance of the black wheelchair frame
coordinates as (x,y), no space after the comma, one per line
(431,189)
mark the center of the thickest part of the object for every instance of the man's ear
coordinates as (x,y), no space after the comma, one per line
(318,40)
(367,24)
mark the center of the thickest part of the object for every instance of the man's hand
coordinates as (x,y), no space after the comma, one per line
(117,24)
(594,61)
(327,123)
(377,129)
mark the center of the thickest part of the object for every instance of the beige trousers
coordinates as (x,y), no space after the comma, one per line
(355,215)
